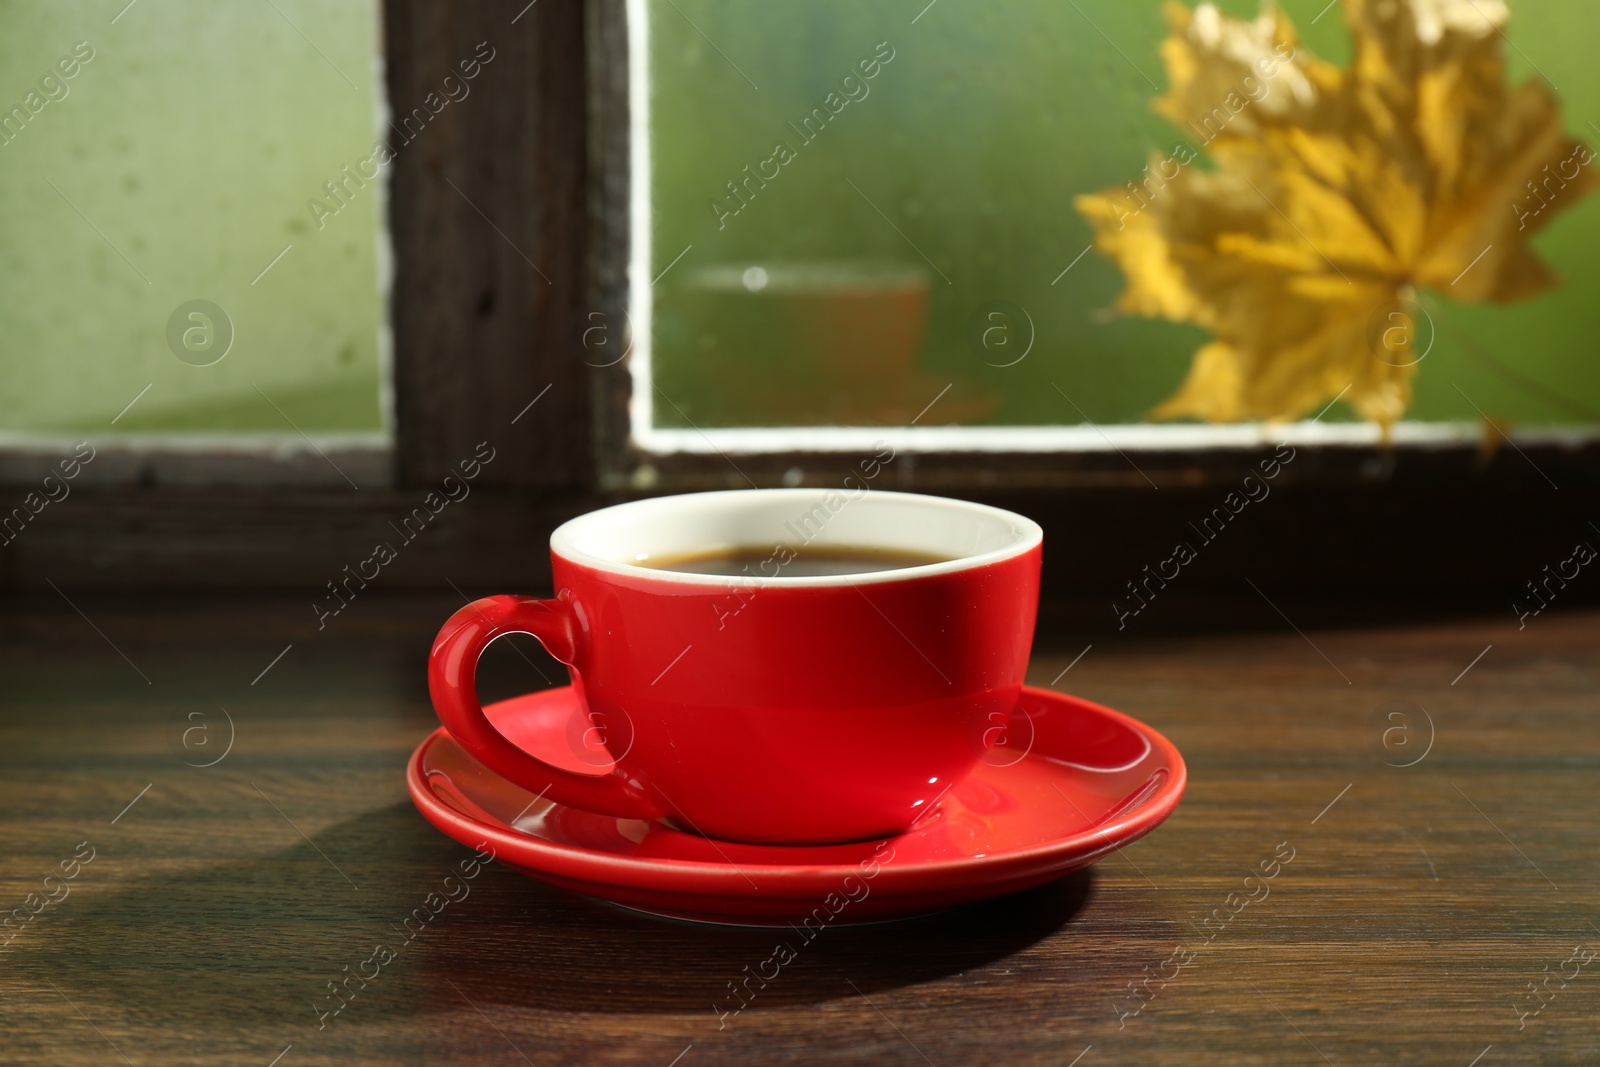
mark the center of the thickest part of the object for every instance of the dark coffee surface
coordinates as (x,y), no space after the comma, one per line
(789,562)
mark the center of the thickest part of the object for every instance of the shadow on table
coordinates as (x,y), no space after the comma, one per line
(583,955)
(250,945)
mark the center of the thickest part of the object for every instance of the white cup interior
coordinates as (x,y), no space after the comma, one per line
(625,537)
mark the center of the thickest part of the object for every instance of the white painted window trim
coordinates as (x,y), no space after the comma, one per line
(1136,437)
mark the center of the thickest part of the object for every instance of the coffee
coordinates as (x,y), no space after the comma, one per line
(807,561)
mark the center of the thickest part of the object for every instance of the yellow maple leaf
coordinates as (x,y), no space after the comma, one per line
(1335,195)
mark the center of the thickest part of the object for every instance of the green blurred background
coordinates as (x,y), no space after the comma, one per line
(191,141)
(974,141)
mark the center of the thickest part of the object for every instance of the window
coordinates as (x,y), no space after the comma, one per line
(546,254)
(193,261)
(849,219)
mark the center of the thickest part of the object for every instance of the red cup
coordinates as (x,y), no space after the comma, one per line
(770,709)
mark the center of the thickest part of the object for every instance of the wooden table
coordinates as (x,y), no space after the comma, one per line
(1420,903)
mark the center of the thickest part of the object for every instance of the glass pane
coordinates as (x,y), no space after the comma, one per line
(166,232)
(855,205)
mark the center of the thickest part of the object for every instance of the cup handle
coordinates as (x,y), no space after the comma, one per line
(452,670)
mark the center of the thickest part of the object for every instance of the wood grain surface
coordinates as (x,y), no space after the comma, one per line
(1420,903)
(489,221)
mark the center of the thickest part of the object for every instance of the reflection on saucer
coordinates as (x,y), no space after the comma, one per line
(1094,781)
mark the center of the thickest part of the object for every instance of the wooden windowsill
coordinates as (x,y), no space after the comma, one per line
(1472,863)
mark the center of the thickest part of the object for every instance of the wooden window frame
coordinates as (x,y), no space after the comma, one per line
(509,225)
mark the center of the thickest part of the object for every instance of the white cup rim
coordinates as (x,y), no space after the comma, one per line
(872,518)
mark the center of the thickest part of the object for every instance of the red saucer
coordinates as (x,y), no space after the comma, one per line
(1091,780)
